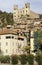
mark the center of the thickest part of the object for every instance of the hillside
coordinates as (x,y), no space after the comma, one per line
(5,18)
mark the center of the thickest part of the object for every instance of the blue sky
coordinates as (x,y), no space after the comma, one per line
(7,5)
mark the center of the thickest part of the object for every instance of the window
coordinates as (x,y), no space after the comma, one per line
(6,43)
(19,45)
(12,37)
(23,11)
(13,43)
(14,15)
(13,51)
(0,37)
(26,7)
(18,15)
(0,43)
(6,51)
(14,12)
(8,37)
(20,38)
(0,51)
(26,11)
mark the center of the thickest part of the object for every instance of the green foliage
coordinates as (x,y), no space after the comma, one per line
(6,18)
(9,19)
(30,59)
(4,59)
(26,49)
(23,59)
(14,59)
(38,40)
(39,59)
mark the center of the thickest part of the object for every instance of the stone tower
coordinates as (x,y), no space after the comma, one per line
(23,11)
(27,5)
(15,12)
(27,9)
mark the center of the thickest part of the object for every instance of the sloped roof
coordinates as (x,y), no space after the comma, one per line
(9,31)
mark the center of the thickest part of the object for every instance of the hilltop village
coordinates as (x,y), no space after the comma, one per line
(17,30)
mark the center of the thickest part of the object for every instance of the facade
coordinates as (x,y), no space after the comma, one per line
(11,43)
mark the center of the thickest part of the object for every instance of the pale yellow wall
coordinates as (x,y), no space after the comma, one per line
(32,43)
(12,44)
(19,12)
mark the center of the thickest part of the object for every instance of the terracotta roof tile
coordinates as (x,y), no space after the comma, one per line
(9,31)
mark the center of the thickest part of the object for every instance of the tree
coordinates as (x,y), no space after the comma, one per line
(26,49)
(23,59)
(30,59)
(39,59)
(4,59)
(6,18)
(38,40)
(14,59)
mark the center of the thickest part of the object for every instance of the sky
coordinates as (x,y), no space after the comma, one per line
(7,5)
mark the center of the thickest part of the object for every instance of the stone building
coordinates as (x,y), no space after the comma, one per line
(11,43)
(17,13)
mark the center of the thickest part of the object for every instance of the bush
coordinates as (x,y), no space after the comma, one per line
(30,59)
(39,59)
(23,59)
(14,59)
(5,59)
